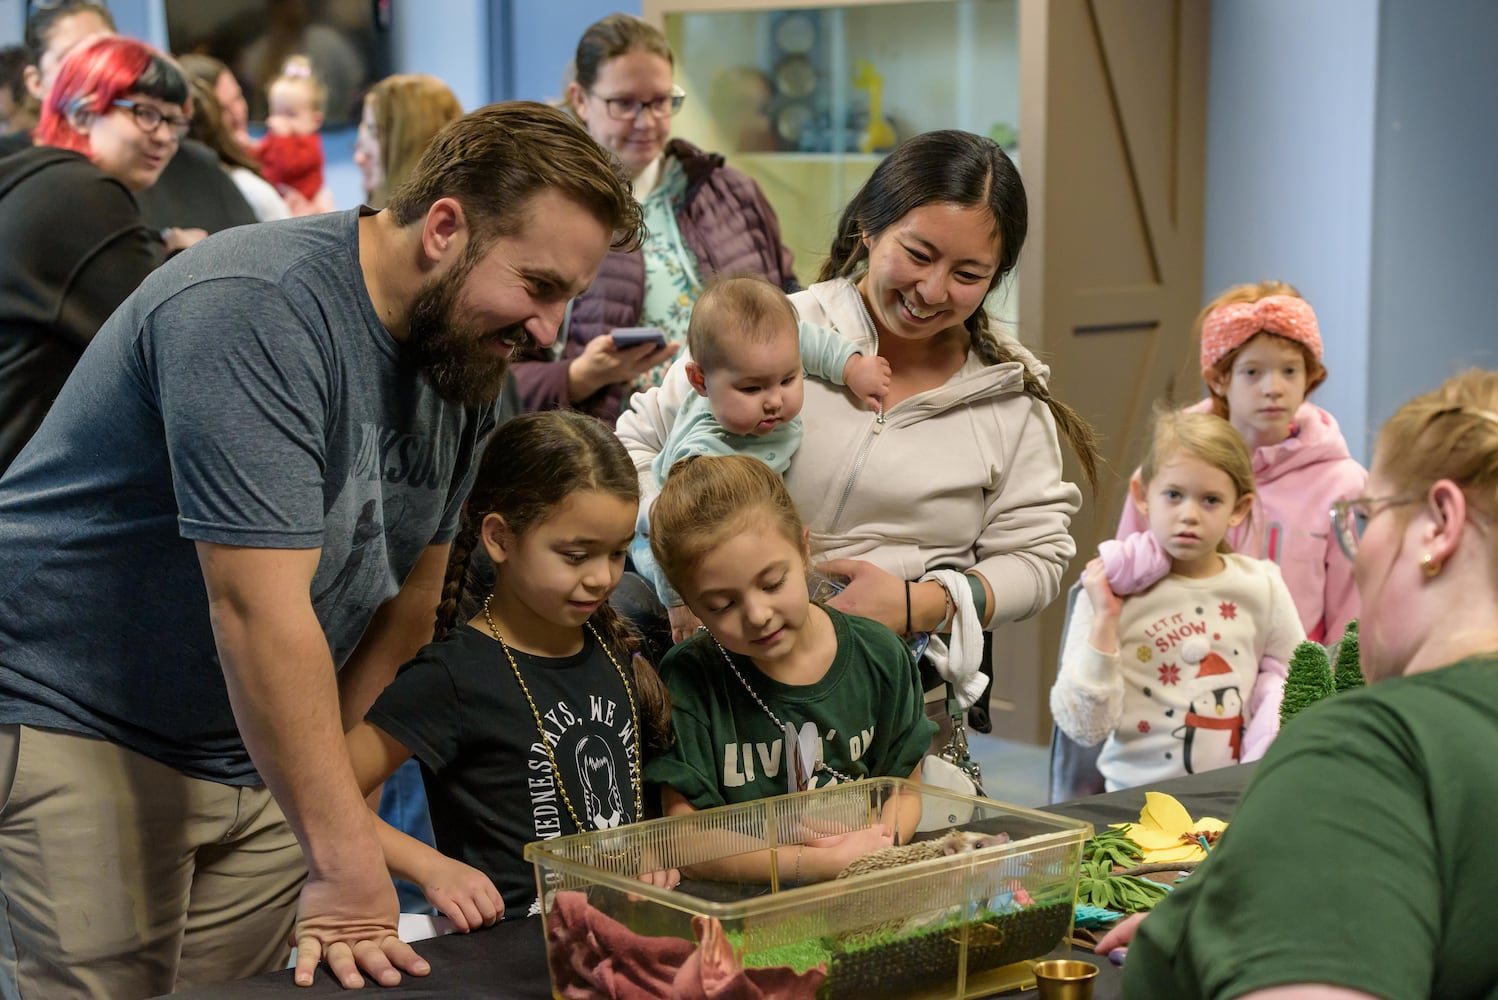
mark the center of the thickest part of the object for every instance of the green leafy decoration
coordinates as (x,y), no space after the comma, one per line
(1349,672)
(1309,681)
(1115,848)
(1097,886)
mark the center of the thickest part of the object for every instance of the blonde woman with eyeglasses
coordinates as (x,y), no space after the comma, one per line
(76,243)
(704,218)
(1360,862)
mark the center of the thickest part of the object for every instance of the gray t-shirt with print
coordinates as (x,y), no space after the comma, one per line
(245,395)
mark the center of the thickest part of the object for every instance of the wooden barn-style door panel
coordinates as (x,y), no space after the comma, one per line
(1113,142)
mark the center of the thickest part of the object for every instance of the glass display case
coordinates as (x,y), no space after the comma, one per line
(962,911)
(807,98)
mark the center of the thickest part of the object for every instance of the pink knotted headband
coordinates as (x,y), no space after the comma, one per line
(1229,327)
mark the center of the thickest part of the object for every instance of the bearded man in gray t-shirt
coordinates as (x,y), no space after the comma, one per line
(234,522)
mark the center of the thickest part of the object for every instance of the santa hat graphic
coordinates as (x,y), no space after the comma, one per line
(1196,650)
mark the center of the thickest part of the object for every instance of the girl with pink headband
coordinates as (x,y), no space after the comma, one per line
(1261,357)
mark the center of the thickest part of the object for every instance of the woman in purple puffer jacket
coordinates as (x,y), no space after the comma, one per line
(704,218)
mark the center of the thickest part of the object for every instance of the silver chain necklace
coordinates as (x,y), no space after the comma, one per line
(791,744)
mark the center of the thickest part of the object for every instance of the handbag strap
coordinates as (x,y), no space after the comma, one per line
(956,749)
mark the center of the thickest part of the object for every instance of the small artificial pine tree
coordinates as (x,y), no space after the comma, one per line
(1309,681)
(1349,672)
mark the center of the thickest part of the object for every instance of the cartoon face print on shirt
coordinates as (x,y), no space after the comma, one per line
(603,804)
(593,741)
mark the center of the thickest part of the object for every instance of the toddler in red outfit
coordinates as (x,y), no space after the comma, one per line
(291,154)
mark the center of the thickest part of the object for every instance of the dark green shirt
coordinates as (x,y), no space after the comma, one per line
(867,711)
(1362,855)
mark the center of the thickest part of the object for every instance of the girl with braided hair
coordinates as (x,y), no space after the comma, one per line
(946,511)
(530,717)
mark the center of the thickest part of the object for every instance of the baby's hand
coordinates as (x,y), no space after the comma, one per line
(462,894)
(868,376)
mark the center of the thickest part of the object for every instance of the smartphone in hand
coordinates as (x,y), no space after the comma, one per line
(633,336)
(824,588)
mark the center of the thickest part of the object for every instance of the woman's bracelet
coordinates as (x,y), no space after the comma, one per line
(796,878)
(980,597)
(907,609)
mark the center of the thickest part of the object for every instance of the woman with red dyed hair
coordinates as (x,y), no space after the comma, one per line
(69,218)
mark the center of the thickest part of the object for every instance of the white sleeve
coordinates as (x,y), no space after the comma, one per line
(646,425)
(1026,542)
(1283,630)
(1087,698)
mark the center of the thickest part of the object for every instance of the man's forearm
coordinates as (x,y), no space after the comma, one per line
(282,688)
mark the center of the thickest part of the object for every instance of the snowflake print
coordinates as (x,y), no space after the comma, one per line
(1170,673)
(1144,654)
(1228,610)
(1144,725)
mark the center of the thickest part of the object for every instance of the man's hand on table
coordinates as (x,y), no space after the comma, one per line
(349,921)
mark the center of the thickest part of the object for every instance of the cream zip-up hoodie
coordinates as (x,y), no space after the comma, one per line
(965,476)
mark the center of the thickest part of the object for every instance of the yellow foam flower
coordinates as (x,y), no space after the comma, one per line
(1166,832)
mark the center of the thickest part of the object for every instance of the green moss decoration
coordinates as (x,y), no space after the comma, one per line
(887,964)
(1349,672)
(886,961)
(799,955)
(1310,680)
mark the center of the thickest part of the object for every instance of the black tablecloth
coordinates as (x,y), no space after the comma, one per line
(508,962)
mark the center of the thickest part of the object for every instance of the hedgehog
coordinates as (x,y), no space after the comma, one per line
(953,842)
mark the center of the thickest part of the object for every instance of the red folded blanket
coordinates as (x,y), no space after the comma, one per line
(593,955)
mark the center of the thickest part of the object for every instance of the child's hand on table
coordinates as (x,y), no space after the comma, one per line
(461,893)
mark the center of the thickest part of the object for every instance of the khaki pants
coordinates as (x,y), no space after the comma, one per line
(121,877)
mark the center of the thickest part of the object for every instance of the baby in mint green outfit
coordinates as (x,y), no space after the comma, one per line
(748,352)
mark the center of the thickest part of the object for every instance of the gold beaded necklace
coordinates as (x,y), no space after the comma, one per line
(551,757)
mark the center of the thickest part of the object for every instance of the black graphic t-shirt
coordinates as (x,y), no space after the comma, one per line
(459,710)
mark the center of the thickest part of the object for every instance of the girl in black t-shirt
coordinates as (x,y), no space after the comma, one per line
(524,718)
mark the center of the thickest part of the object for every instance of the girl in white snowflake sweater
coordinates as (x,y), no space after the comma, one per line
(1177,657)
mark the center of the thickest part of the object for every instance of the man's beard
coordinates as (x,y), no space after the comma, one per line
(463,363)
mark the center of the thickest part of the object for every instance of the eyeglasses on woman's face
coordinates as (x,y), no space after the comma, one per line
(627,108)
(149,117)
(1350,518)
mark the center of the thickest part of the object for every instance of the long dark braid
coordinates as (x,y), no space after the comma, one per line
(455,584)
(651,696)
(958,168)
(1077,431)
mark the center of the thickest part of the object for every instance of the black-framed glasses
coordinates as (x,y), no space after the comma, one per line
(1350,518)
(149,117)
(627,108)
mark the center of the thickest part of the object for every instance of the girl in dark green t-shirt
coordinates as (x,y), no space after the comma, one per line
(776,694)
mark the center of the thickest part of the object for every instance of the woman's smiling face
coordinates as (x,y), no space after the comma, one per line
(930,270)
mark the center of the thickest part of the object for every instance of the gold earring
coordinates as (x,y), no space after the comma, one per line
(1430,566)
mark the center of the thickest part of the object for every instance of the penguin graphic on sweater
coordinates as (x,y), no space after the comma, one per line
(1213,732)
